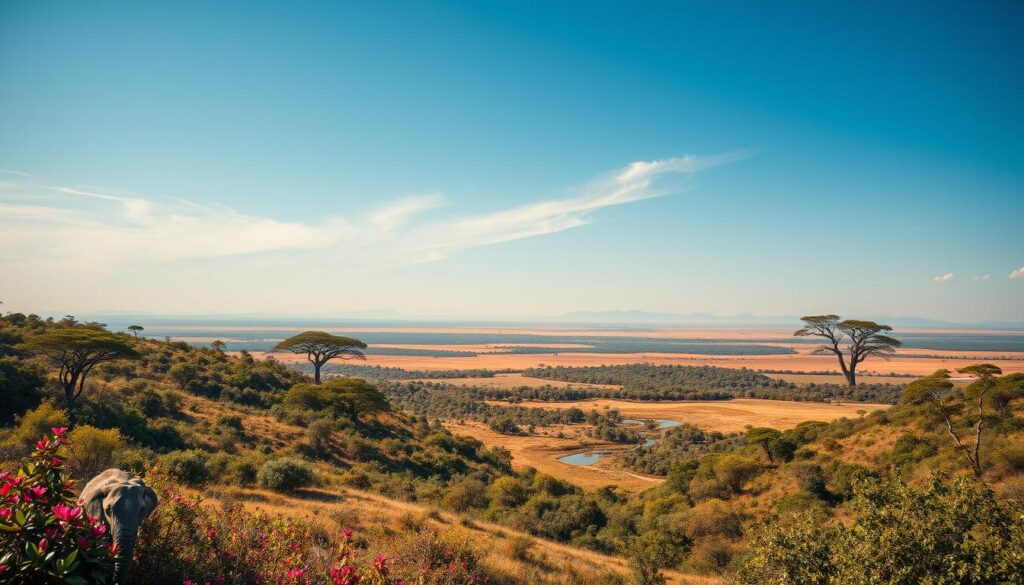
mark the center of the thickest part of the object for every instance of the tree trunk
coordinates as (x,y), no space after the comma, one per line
(851,378)
(316,372)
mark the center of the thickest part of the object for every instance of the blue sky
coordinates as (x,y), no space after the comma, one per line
(514,159)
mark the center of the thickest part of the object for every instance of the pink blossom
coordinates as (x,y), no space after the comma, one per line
(66,513)
(59,431)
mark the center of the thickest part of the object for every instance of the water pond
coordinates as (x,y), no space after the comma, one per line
(662,423)
(588,458)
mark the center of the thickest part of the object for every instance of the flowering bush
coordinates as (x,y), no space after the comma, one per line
(45,537)
(48,539)
(187,541)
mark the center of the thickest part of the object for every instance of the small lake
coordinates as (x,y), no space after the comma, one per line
(662,423)
(583,458)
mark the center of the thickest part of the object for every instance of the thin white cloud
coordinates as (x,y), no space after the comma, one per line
(944,278)
(982,277)
(18,173)
(96,227)
(635,182)
(1017,274)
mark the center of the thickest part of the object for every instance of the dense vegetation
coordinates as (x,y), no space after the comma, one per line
(651,382)
(204,418)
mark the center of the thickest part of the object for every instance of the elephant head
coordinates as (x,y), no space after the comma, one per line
(122,502)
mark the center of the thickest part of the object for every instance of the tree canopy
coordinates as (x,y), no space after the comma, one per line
(321,347)
(350,397)
(935,392)
(76,351)
(852,338)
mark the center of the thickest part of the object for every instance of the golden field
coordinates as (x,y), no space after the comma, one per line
(723,415)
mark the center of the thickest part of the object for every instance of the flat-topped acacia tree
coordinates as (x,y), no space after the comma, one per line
(321,347)
(850,337)
(76,351)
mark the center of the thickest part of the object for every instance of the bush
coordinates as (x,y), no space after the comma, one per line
(93,450)
(935,534)
(32,425)
(188,467)
(48,538)
(285,474)
(518,547)
(466,494)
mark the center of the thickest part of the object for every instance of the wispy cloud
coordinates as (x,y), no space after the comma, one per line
(74,225)
(982,277)
(1017,274)
(637,181)
(944,277)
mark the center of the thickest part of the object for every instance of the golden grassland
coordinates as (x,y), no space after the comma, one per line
(915,362)
(723,415)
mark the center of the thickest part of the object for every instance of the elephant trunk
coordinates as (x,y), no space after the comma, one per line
(124,540)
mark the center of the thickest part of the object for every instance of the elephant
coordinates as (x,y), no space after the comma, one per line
(122,501)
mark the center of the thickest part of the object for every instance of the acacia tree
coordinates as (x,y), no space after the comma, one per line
(76,351)
(936,391)
(850,337)
(135,329)
(218,345)
(321,347)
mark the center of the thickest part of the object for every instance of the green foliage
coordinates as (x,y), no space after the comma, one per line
(45,537)
(93,450)
(188,467)
(286,474)
(75,351)
(321,347)
(20,388)
(944,532)
(349,397)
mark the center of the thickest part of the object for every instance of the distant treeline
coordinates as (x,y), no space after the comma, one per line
(651,382)
(386,373)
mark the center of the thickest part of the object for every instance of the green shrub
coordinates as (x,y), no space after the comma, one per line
(188,467)
(285,474)
(92,450)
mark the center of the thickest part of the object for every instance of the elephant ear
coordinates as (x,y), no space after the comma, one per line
(92,500)
(150,499)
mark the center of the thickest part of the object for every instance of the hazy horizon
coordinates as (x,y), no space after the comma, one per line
(460,161)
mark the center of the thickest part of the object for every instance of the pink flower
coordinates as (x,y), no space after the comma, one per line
(83,543)
(294,573)
(59,431)
(55,461)
(346,533)
(97,529)
(6,514)
(42,444)
(66,513)
(43,543)
(188,582)
(211,534)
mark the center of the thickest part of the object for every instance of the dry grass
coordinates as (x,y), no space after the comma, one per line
(723,415)
(913,362)
(374,515)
